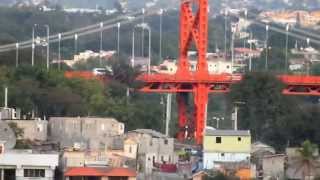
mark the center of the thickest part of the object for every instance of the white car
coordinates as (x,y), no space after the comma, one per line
(99,71)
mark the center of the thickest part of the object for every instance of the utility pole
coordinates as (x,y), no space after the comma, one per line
(267,48)
(168,113)
(142,34)
(33,46)
(132,52)
(235,117)
(160,39)
(118,40)
(48,46)
(225,33)
(246,19)
(6,97)
(59,51)
(287,37)
(233,29)
(17,55)
(100,52)
(250,55)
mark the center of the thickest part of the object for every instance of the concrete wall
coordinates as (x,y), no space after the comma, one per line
(273,166)
(33,129)
(93,133)
(210,158)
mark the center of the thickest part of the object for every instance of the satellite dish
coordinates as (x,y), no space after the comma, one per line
(7,135)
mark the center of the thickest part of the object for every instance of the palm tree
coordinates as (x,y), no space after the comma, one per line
(306,162)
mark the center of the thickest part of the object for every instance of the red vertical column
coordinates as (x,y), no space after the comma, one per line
(183,67)
(182,100)
(202,27)
(200,108)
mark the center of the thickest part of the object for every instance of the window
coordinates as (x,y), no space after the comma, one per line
(162,159)
(166,141)
(130,149)
(34,173)
(218,140)
(222,154)
(239,139)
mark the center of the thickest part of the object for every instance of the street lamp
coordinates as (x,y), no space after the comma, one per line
(218,121)
(17,55)
(75,44)
(267,37)
(287,37)
(146,26)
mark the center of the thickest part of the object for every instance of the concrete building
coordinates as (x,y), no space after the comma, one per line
(274,166)
(153,147)
(25,165)
(9,113)
(225,146)
(85,132)
(32,129)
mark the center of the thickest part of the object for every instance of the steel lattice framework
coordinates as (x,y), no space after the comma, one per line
(199,83)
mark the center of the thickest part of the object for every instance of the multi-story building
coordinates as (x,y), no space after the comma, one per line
(153,147)
(225,146)
(25,165)
(85,132)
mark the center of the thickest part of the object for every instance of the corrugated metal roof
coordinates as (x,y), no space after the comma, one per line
(210,132)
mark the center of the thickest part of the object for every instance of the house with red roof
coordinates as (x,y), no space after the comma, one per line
(95,173)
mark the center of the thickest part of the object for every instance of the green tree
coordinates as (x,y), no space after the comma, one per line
(266,111)
(306,162)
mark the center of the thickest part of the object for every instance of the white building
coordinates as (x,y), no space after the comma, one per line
(25,165)
(214,67)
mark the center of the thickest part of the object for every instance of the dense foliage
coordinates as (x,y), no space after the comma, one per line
(272,117)
(51,94)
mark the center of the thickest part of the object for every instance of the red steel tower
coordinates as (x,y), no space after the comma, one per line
(198,83)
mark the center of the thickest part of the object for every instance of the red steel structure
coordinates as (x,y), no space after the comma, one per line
(193,32)
(199,83)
